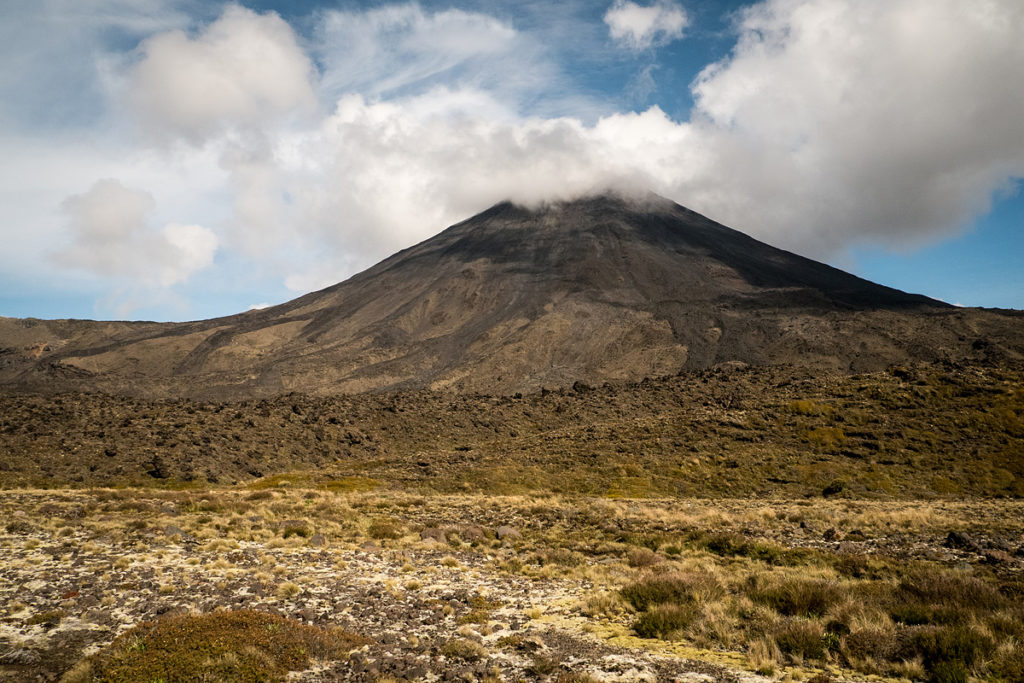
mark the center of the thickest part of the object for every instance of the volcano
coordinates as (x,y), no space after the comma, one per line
(601,289)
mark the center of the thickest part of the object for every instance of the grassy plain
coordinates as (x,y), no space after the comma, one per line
(733,525)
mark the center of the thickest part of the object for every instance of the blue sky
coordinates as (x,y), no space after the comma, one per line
(178,159)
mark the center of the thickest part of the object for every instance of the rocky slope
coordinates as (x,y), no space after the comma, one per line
(595,290)
(907,433)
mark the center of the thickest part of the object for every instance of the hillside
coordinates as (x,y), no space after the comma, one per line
(934,431)
(512,300)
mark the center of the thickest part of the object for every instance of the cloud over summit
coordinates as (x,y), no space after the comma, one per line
(301,152)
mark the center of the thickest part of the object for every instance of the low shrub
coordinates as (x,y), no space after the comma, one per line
(563,557)
(296,528)
(802,639)
(950,652)
(642,557)
(675,588)
(936,588)
(238,646)
(664,621)
(736,545)
(798,597)
(460,648)
(384,528)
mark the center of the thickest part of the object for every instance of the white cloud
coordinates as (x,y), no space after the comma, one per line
(639,27)
(189,248)
(112,238)
(812,135)
(843,121)
(245,69)
(108,212)
(832,123)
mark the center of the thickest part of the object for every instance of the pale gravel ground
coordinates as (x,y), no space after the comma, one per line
(104,584)
(70,553)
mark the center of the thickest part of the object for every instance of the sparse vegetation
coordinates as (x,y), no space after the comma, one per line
(879,551)
(861,436)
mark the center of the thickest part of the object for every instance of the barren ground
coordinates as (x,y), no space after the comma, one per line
(439,596)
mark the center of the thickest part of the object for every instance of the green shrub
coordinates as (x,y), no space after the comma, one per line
(563,557)
(950,652)
(799,597)
(381,529)
(49,618)
(938,587)
(296,528)
(238,646)
(735,545)
(642,557)
(876,644)
(664,621)
(460,648)
(542,666)
(351,485)
(810,407)
(676,588)
(803,639)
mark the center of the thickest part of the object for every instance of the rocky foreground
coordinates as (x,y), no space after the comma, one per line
(477,588)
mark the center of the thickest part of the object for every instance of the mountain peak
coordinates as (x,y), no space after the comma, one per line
(601,288)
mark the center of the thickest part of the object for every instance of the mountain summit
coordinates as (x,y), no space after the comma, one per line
(513,299)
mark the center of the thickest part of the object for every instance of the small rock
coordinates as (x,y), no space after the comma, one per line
(318,540)
(173,530)
(531,644)
(959,541)
(100,617)
(997,557)
(434,534)
(507,532)
(19,657)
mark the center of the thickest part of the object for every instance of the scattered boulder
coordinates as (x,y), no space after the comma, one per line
(997,557)
(507,532)
(174,530)
(959,541)
(434,535)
